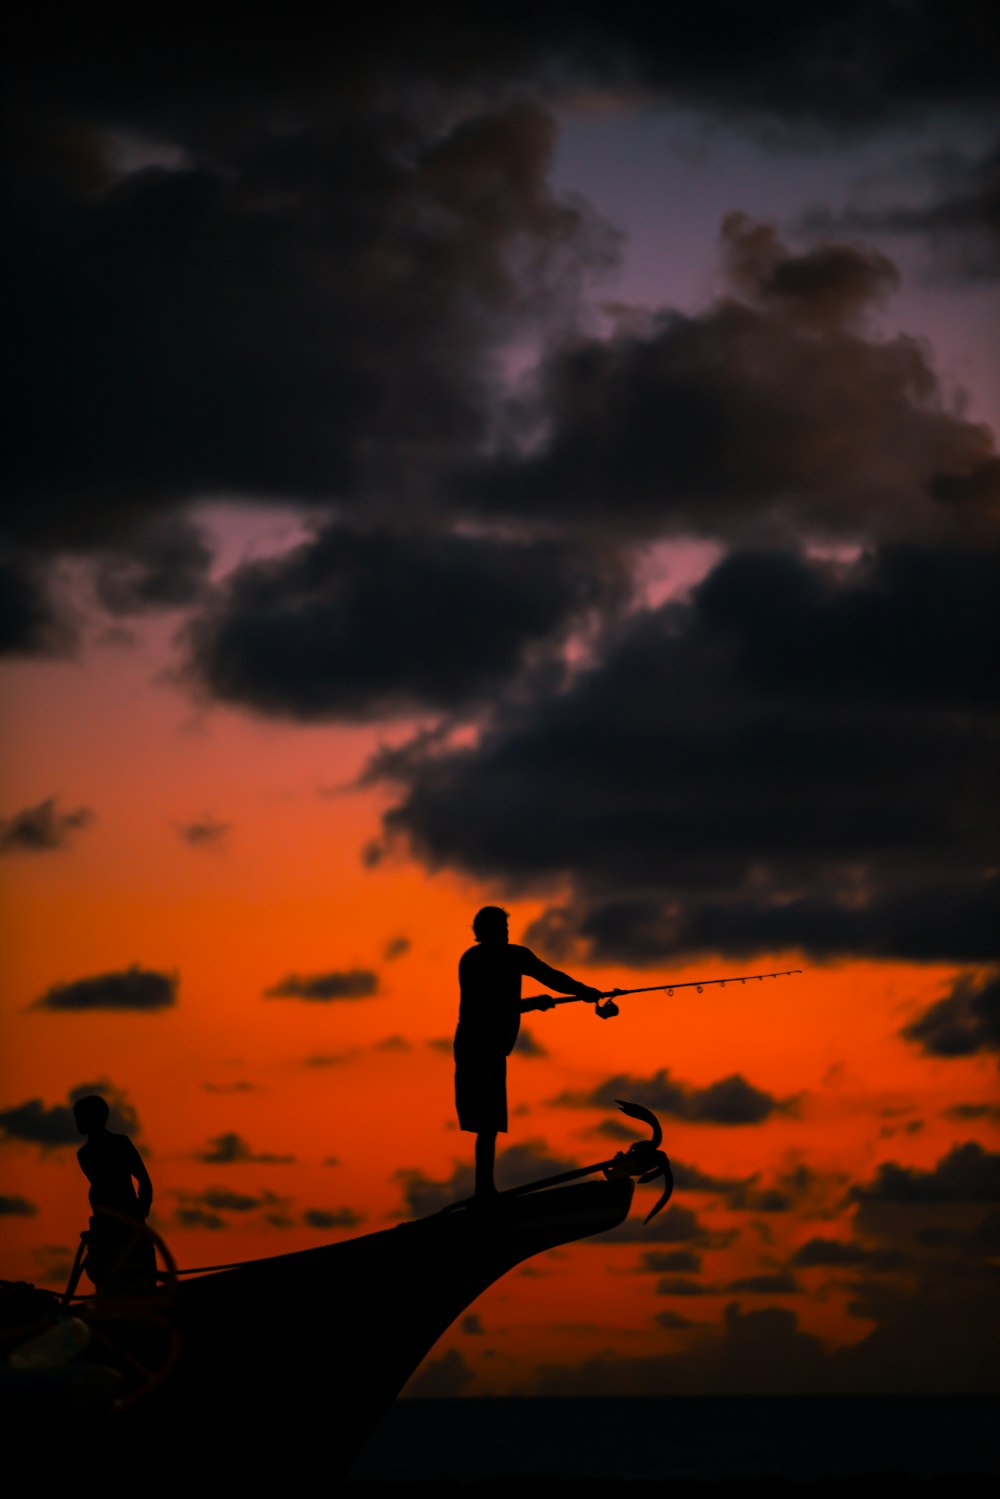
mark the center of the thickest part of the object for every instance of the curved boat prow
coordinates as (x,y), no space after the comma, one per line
(313,1347)
(286,1365)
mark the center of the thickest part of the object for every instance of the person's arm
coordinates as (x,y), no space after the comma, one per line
(137,1167)
(554,979)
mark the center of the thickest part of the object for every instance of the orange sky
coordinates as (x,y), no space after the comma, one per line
(286,891)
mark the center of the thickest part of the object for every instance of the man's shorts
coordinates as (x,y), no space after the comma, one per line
(481,1090)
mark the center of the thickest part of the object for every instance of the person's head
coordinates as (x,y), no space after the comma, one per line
(490,924)
(91,1113)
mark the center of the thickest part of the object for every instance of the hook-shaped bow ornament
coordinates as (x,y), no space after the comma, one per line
(644,1159)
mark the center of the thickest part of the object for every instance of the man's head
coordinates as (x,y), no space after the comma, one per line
(91,1113)
(490,924)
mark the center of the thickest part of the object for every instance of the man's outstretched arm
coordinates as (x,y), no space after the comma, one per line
(562,983)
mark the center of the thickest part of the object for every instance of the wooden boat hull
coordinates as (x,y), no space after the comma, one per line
(289,1363)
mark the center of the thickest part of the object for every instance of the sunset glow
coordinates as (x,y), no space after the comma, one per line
(530,534)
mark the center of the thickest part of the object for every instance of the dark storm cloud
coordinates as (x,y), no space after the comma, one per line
(967,1174)
(306,294)
(966,1021)
(31,623)
(130,989)
(331,1218)
(353,983)
(800,756)
(364,624)
(283,312)
(230,1149)
(771,412)
(860,64)
(961,219)
(163,566)
(731,1100)
(17,1207)
(35,1124)
(42,828)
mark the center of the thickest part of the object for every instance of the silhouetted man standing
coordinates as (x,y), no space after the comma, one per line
(117,1257)
(489,1018)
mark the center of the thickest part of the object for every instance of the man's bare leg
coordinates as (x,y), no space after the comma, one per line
(486,1149)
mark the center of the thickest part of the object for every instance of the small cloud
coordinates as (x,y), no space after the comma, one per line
(393,1043)
(471,1324)
(443,1044)
(527,1161)
(441,1378)
(965,1022)
(782,1283)
(355,983)
(675,1225)
(527,1046)
(966,1174)
(191,1216)
(669,1261)
(836,1254)
(241,1086)
(963,1111)
(224,1200)
(32,1123)
(673,1321)
(231,1149)
(337,1218)
(130,989)
(17,1207)
(331,1160)
(54,1262)
(395,948)
(204,832)
(678,1285)
(731,1100)
(41,829)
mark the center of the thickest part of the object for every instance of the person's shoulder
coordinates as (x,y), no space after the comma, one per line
(521,955)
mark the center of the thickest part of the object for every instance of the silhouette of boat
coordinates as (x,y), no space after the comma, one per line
(276,1371)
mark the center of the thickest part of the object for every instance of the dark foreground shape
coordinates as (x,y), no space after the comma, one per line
(287,1364)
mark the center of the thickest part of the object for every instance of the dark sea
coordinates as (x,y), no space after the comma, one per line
(729,1444)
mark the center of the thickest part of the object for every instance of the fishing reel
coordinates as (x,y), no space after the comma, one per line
(606,1010)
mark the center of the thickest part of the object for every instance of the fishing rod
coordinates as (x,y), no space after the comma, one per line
(608,1009)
